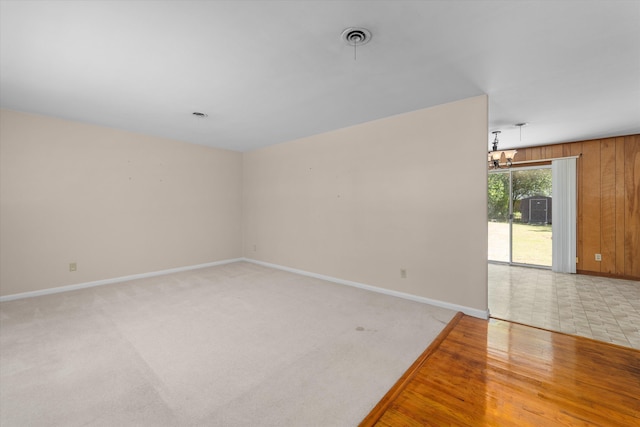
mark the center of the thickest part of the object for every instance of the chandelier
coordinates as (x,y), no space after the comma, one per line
(496,157)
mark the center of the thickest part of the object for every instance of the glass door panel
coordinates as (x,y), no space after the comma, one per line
(531,213)
(498,213)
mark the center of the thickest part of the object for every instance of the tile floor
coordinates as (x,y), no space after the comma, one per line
(596,307)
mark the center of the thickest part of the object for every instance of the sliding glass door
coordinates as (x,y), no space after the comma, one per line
(499,213)
(520,219)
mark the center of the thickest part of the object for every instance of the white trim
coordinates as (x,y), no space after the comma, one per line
(113,280)
(482,314)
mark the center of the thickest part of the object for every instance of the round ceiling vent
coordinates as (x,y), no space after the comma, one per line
(356,36)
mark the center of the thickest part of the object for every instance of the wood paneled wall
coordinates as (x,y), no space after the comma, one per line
(608,202)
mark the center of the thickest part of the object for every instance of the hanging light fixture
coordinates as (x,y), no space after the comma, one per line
(495,156)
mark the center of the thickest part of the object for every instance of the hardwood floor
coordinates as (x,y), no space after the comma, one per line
(497,373)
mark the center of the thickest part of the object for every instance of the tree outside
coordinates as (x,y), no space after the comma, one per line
(526,183)
(498,197)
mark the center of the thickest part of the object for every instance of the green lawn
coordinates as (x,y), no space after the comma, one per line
(531,243)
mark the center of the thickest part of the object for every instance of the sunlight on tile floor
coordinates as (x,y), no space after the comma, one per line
(595,307)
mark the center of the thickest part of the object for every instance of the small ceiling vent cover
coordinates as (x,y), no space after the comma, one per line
(356,36)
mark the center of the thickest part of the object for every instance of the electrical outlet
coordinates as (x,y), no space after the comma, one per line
(598,257)
(403,273)
(255,248)
(73,266)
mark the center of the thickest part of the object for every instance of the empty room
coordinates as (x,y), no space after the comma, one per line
(319,213)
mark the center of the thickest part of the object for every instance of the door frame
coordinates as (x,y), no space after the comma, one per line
(510,216)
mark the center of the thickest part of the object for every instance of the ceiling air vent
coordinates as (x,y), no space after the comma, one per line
(356,36)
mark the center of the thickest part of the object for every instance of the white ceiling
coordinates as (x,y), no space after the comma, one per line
(272,71)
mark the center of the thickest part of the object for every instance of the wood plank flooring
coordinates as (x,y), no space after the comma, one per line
(498,373)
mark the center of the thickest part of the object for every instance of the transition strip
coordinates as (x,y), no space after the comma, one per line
(381,407)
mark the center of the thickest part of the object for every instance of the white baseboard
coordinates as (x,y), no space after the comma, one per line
(114,280)
(482,314)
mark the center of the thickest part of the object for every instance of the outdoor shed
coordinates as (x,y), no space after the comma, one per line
(536,210)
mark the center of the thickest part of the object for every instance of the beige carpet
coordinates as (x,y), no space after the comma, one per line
(233,345)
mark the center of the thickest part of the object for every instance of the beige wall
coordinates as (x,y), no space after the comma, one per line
(115,202)
(361,203)
(358,204)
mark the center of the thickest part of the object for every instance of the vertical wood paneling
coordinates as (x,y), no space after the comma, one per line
(591,205)
(632,206)
(608,205)
(553,151)
(535,153)
(620,222)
